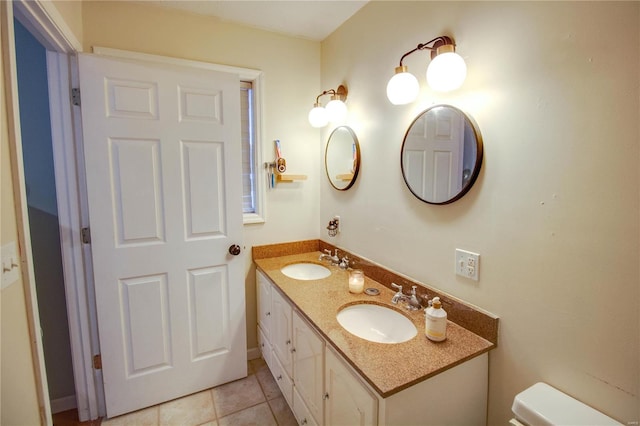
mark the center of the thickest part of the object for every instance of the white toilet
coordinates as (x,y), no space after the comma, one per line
(543,405)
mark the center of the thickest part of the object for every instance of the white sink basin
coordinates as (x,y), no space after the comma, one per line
(306,271)
(376,323)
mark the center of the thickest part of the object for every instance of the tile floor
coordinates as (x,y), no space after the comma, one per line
(254,400)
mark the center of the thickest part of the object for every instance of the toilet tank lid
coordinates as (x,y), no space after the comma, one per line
(544,405)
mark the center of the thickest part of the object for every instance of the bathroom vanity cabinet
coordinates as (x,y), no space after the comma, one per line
(323,388)
(294,353)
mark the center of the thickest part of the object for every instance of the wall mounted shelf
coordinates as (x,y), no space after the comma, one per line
(290,178)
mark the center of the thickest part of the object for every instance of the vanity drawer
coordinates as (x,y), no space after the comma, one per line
(265,348)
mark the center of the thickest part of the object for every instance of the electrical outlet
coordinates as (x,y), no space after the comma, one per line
(467,264)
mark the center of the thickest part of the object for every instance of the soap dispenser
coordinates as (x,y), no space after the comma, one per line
(435,321)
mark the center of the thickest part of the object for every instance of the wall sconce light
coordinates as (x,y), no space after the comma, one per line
(335,111)
(446,72)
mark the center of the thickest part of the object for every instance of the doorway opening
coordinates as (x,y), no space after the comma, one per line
(43,217)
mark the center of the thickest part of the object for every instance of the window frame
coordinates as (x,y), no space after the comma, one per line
(259,216)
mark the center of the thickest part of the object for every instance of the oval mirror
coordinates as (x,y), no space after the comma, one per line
(342,158)
(441,155)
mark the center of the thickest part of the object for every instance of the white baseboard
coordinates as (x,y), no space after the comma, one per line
(63,404)
(253,353)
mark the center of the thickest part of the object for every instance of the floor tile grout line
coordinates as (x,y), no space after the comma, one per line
(273,413)
(213,402)
(245,408)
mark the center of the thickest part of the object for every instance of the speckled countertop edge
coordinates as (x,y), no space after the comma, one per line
(388,368)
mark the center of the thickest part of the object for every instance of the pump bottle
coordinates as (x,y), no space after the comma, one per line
(435,321)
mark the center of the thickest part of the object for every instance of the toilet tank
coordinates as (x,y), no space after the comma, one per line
(543,405)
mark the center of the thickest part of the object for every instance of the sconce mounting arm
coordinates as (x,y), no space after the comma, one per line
(437,42)
(340,92)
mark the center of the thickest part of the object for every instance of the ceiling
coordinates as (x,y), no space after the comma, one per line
(310,19)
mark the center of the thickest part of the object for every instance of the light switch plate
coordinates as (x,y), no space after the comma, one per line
(10,264)
(467,264)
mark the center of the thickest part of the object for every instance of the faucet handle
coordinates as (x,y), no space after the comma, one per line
(327,251)
(413,290)
(397,287)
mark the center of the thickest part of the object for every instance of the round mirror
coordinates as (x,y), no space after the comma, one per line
(441,155)
(342,158)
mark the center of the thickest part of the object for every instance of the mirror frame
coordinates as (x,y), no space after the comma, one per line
(357,162)
(476,167)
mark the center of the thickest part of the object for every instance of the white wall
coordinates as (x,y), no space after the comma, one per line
(554,88)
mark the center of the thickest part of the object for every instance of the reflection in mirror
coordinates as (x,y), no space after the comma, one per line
(342,158)
(441,155)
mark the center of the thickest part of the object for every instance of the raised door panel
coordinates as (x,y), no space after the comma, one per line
(203,189)
(308,366)
(137,198)
(281,330)
(146,324)
(209,312)
(349,402)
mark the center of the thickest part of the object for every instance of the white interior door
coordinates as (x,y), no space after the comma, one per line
(434,155)
(163,159)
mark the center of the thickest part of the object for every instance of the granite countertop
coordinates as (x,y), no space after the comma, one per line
(388,368)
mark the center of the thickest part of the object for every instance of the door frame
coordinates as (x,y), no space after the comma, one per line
(44,21)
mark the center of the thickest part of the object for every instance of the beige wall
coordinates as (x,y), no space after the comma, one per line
(291,69)
(71,12)
(554,214)
(18,396)
(554,88)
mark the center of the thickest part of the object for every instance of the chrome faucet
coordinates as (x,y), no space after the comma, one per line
(413,304)
(333,259)
(399,296)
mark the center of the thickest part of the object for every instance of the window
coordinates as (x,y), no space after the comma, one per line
(248,146)
(252,186)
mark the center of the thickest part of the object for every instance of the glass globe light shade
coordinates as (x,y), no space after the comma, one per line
(403,87)
(446,72)
(318,116)
(336,111)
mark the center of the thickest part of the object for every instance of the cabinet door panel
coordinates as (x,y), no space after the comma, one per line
(308,366)
(282,379)
(349,402)
(301,411)
(265,347)
(263,292)
(281,330)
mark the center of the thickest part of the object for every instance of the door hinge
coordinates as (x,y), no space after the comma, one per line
(85,235)
(75,96)
(97,362)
